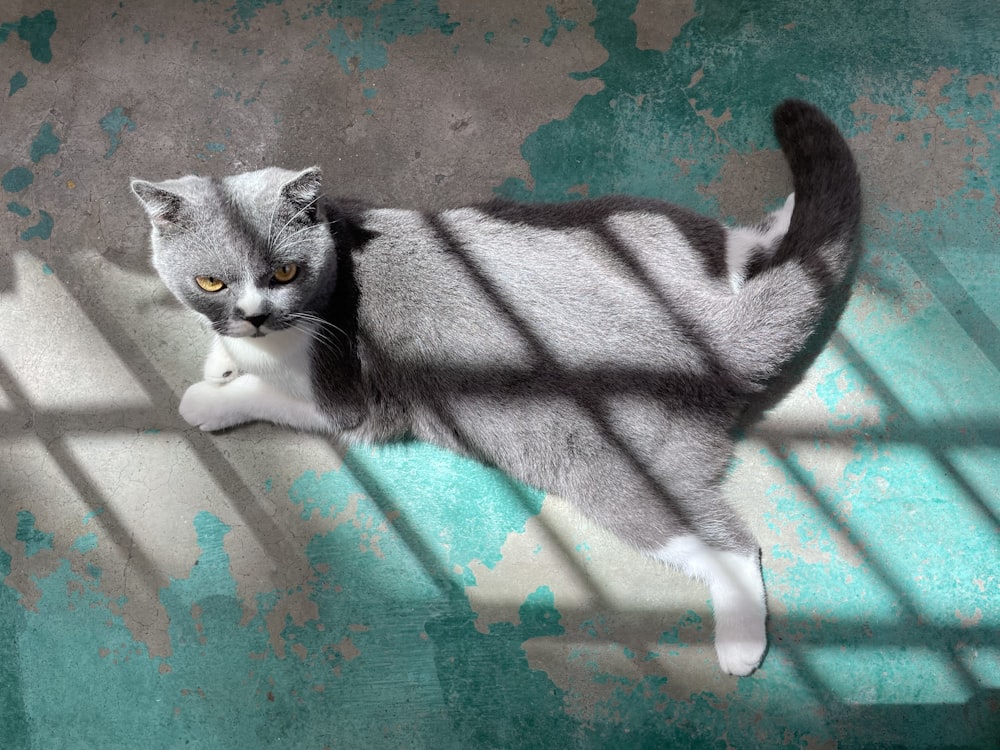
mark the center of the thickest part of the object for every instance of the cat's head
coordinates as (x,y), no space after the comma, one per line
(252,252)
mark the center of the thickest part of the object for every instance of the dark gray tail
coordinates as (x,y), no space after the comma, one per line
(827,192)
(785,296)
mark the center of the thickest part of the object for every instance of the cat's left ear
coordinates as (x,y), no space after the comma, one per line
(162,206)
(303,191)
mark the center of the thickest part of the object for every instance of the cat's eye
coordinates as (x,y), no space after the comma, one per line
(285,273)
(209,283)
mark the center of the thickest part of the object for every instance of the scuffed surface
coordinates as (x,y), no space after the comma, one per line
(258,588)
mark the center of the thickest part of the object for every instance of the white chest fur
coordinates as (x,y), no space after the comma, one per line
(281,358)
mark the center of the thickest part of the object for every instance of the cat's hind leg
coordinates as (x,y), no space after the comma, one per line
(673,509)
(737,589)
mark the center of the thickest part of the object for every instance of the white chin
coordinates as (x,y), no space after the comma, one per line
(238,329)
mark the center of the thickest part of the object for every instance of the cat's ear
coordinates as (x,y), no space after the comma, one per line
(303,191)
(162,206)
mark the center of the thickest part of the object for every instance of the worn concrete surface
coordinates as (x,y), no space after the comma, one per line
(163,588)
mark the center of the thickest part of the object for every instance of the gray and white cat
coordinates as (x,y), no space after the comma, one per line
(601,349)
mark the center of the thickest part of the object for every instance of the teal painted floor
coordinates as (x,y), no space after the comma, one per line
(163,588)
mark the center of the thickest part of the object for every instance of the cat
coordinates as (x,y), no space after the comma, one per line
(601,349)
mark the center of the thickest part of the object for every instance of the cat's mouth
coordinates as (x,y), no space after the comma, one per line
(239,328)
(244,329)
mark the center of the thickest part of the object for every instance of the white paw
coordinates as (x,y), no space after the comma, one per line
(740,639)
(210,406)
(219,366)
(738,601)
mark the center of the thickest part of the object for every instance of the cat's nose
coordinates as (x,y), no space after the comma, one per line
(256,320)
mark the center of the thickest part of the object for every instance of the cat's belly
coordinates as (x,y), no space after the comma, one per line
(554,438)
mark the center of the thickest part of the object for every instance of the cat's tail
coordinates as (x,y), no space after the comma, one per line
(784,296)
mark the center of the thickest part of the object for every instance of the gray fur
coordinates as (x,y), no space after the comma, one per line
(594,349)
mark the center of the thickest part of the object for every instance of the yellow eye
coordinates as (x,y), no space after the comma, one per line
(286,273)
(209,283)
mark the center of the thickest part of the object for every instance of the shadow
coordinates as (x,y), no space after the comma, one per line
(933,439)
(794,371)
(705,396)
(866,707)
(51,433)
(700,396)
(976,324)
(580,385)
(919,633)
(51,429)
(7,272)
(435,567)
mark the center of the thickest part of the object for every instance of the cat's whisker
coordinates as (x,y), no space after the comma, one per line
(317,333)
(312,318)
(285,245)
(320,337)
(283,242)
(209,244)
(270,221)
(210,248)
(332,336)
(281,237)
(341,345)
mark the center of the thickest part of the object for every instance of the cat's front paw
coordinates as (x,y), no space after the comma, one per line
(223,377)
(206,405)
(219,366)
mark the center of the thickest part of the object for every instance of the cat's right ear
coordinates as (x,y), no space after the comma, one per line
(162,206)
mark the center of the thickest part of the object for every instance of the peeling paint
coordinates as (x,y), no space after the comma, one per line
(274,579)
(45,143)
(42,230)
(33,539)
(556,22)
(17,82)
(363,34)
(115,123)
(85,543)
(17,179)
(36,30)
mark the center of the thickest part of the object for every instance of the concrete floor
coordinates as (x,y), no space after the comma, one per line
(164,588)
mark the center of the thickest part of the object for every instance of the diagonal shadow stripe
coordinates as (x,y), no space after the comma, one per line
(955,298)
(271,537)
(913,617)
(907,423)
(544,360)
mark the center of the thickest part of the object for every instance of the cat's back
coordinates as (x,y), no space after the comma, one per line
(603,281)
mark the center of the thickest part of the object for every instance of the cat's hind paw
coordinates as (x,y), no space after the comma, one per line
(737,590)
(207,405)
(740,640)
